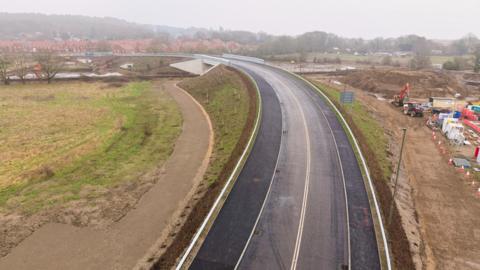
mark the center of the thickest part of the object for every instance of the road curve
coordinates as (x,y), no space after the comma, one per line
(300,201)
(122,244)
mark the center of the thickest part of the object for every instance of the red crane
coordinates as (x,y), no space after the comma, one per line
(402,97)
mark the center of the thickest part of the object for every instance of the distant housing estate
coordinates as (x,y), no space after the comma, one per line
(121,46)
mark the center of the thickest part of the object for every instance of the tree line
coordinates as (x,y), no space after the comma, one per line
(65,27)
(43,65)
(327,42)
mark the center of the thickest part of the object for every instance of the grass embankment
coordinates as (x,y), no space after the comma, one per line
(374,146)
(226,100)
(68,141)
(230,99)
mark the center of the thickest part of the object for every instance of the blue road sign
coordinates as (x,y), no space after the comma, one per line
(347,97)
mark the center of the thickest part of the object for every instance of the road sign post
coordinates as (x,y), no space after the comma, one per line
(347,97)
(392,203)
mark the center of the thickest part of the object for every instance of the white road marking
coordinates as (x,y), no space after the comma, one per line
(344,182)
(365,167)
(306,189)
(298,241)
(242,158)
(264,201)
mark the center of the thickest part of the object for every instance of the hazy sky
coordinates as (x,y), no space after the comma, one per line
(440,19)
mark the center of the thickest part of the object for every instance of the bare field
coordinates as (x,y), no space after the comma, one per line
(388,82)
(145,66)
(367,59)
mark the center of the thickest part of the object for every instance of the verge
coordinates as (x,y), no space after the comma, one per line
(187,241)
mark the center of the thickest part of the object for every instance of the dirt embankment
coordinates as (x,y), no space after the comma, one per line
(472,76)
(389,82)
(142,66)
(444,228)
(204,199)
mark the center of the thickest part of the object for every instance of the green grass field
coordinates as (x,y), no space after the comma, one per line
(68,141)
(226,100)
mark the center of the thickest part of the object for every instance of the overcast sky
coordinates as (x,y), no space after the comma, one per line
(439,19)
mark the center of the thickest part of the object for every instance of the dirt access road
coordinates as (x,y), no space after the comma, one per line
(124,243)
(440,210)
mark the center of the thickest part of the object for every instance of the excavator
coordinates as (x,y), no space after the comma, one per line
(403,100)
(402,97)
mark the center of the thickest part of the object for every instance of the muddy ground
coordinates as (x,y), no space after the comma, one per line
(143,66)
(440,208)
(425,83)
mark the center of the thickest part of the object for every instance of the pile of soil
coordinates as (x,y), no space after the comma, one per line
(142,66)
(472,76)
(389,82)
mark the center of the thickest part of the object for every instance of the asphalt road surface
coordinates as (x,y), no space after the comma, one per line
(300,201)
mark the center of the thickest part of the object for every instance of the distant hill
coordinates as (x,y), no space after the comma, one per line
(34,27)
(39,26)
(178,31)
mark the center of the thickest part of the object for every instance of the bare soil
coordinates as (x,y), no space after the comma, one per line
(117,230)
(144,66)
(425,83)
(438,205)
(472,76)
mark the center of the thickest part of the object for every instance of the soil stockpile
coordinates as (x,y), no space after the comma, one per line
(389,82)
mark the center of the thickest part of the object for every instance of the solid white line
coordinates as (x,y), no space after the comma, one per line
(298,242)
(264,201)
(224,189)
(344,184)
(367,172)
(261,209)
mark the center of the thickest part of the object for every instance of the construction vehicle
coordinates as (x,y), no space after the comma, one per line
(433,122)
(37,70)
(413,109)
(402,97)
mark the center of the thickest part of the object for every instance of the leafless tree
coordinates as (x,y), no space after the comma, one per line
(21,67)
(476,61)
(387,60)
(50,64)
(420,61)
(5,63)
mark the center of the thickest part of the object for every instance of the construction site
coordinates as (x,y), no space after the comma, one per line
(439,180)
